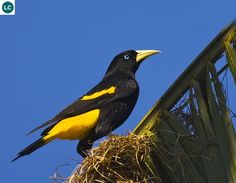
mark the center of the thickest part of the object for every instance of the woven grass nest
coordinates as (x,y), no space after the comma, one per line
(117,159)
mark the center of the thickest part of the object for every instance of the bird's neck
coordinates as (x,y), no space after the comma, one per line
(121,72)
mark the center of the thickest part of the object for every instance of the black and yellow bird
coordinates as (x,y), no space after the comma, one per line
(96,114)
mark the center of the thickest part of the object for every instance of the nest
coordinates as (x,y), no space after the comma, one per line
(117,159)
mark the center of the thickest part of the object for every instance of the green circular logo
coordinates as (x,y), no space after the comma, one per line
(7,7)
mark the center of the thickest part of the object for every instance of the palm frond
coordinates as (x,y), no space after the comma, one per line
(195,132)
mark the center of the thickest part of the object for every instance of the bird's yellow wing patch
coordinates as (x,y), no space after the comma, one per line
(77,127)
(99,93)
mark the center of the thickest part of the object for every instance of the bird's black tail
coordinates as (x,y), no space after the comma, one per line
(31,148)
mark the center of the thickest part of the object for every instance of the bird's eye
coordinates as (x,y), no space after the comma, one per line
(126,57)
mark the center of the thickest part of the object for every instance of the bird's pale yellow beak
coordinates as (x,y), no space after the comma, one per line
(143,54)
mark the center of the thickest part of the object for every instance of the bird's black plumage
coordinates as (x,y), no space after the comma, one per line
(114,98)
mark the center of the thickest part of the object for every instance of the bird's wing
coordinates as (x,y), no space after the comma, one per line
(97,97)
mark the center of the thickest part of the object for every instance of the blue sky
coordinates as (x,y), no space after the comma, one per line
(52,52)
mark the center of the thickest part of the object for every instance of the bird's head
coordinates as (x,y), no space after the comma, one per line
(130,60)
